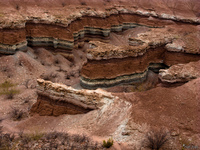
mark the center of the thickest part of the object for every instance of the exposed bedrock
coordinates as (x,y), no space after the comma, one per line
(110,65)
(55,99)
(70,35)
(180,72)
(105,73)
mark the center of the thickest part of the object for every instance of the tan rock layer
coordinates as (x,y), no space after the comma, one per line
(112,68)
(180,72)
(77,29)
(48,105)
(108,72)
(56,99)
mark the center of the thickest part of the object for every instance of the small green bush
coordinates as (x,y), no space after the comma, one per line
(8,88)
(108,143)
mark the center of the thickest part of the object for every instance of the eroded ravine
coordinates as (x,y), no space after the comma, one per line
(126,57)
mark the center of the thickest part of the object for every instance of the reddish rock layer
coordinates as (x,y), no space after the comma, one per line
(12,36)
(48,105)
(66,33)
(35,29)
(56,99)
(112,68)
(180,72)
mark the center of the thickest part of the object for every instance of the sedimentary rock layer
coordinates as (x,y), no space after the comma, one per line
(56,99)
(12,49)
(113,71)
(110,65)
(180,72)
(37,33)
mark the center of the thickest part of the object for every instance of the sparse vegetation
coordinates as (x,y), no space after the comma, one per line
(67,76)
(83,3)
(63,4)
(56,61)
(17,114)
(156,139)
(17,7)
(8,88)
(6,140)
(108,143)
(108,1)
(52,140)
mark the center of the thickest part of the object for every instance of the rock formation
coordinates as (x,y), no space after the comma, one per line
(105,43)
(110,65)
(60,34)
(63,33)
(180,72)
(57,99)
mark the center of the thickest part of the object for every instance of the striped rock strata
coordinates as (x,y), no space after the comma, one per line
(63,38)
(57,99)
(109,65)
(70,30)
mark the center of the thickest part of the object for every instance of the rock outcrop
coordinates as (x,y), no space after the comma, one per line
(180,72)
(57,99)
(109,65)
(68,29)
(64,37)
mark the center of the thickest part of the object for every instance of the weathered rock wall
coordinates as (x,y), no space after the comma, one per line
(180,72)
(105,73)
(66,35)
(57,99)
(109,65)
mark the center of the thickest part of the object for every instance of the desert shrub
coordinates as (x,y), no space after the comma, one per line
(17,114)
(52,140)
(63,4)
(156,139)
(1,129)
(36,136)
(6,140)
(56,61)
(83,3)
(108,143)
(67,76)
(1,119)
(8,88)
(17,7)
(80,138)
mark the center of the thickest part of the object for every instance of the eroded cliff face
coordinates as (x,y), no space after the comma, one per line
(110,65)
(168,41)
(67,28)
(64,37)
(55,99)
(120,43)
(180,72)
